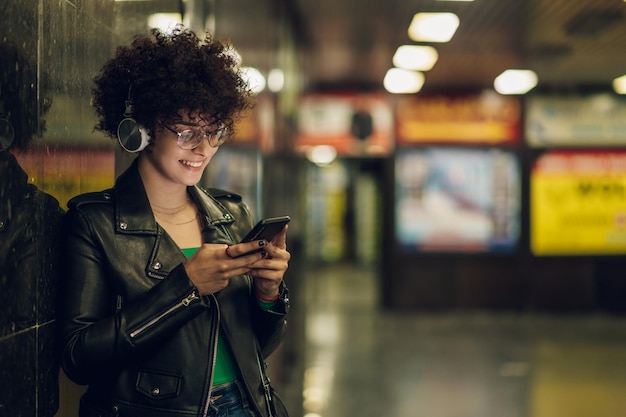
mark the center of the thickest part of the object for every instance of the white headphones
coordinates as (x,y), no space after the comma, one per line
(132,136)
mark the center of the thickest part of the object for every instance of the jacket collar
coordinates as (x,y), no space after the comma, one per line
(14,178)
(133,211)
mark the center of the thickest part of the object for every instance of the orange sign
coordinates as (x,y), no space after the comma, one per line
(481,119)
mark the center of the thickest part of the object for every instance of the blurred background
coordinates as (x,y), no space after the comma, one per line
(455,172)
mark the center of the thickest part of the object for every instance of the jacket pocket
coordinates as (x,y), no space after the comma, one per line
(158,385)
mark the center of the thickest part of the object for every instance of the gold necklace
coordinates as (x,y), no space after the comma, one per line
(169,211)
(178,224)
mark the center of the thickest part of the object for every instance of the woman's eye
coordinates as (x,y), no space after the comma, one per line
(186,135)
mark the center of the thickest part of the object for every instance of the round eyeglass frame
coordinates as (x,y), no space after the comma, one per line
(190,139)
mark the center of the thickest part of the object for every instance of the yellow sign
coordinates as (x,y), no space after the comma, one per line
(578,204)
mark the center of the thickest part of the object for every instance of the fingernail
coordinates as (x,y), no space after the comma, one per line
(263,254)
(261,243)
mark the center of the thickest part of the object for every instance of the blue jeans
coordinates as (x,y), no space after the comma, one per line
(230,400)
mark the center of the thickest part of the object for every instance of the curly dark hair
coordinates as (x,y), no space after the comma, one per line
(18,94)
(166,73)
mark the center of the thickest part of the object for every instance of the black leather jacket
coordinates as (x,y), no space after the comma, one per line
(29,223)
(133,325)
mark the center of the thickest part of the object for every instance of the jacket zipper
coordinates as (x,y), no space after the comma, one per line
(182,303)
(266,388)
(205,413)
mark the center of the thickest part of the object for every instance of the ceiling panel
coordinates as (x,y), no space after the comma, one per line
(353,41)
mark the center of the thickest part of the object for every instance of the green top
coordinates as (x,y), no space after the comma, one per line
(225,368)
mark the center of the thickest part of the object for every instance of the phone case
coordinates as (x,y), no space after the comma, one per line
(267,229)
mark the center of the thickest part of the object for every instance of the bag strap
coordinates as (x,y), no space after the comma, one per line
(267,389)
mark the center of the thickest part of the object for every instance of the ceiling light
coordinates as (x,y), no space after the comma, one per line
(433,27)
(254,78)
(515,81)
(401,81)
(415,57)
(166,22)
(619,84)
(322,155)
(276,80)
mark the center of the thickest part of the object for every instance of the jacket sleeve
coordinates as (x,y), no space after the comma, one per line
(271,325)
(98,332)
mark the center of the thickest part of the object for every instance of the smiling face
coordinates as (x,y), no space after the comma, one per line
(171,164)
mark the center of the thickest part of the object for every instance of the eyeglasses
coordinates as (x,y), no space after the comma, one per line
(191,139)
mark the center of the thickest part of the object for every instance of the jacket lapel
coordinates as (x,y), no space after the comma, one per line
(132,206)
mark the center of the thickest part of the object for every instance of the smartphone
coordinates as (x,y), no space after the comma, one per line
(267,229)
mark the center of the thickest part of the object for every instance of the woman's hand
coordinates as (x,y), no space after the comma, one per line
(213,265)
(269,271)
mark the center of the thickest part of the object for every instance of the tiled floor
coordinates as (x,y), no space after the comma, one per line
(359,361)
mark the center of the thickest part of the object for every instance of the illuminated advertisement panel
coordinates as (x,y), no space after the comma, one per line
(457,199)
(593,120)
(84,170)
(482,119)
(353,124)
(578,203)
(256,127)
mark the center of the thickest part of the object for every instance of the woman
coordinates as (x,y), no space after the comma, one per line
(164,314)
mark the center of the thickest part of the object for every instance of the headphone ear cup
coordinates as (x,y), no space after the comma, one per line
(132,136)
(7,134)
